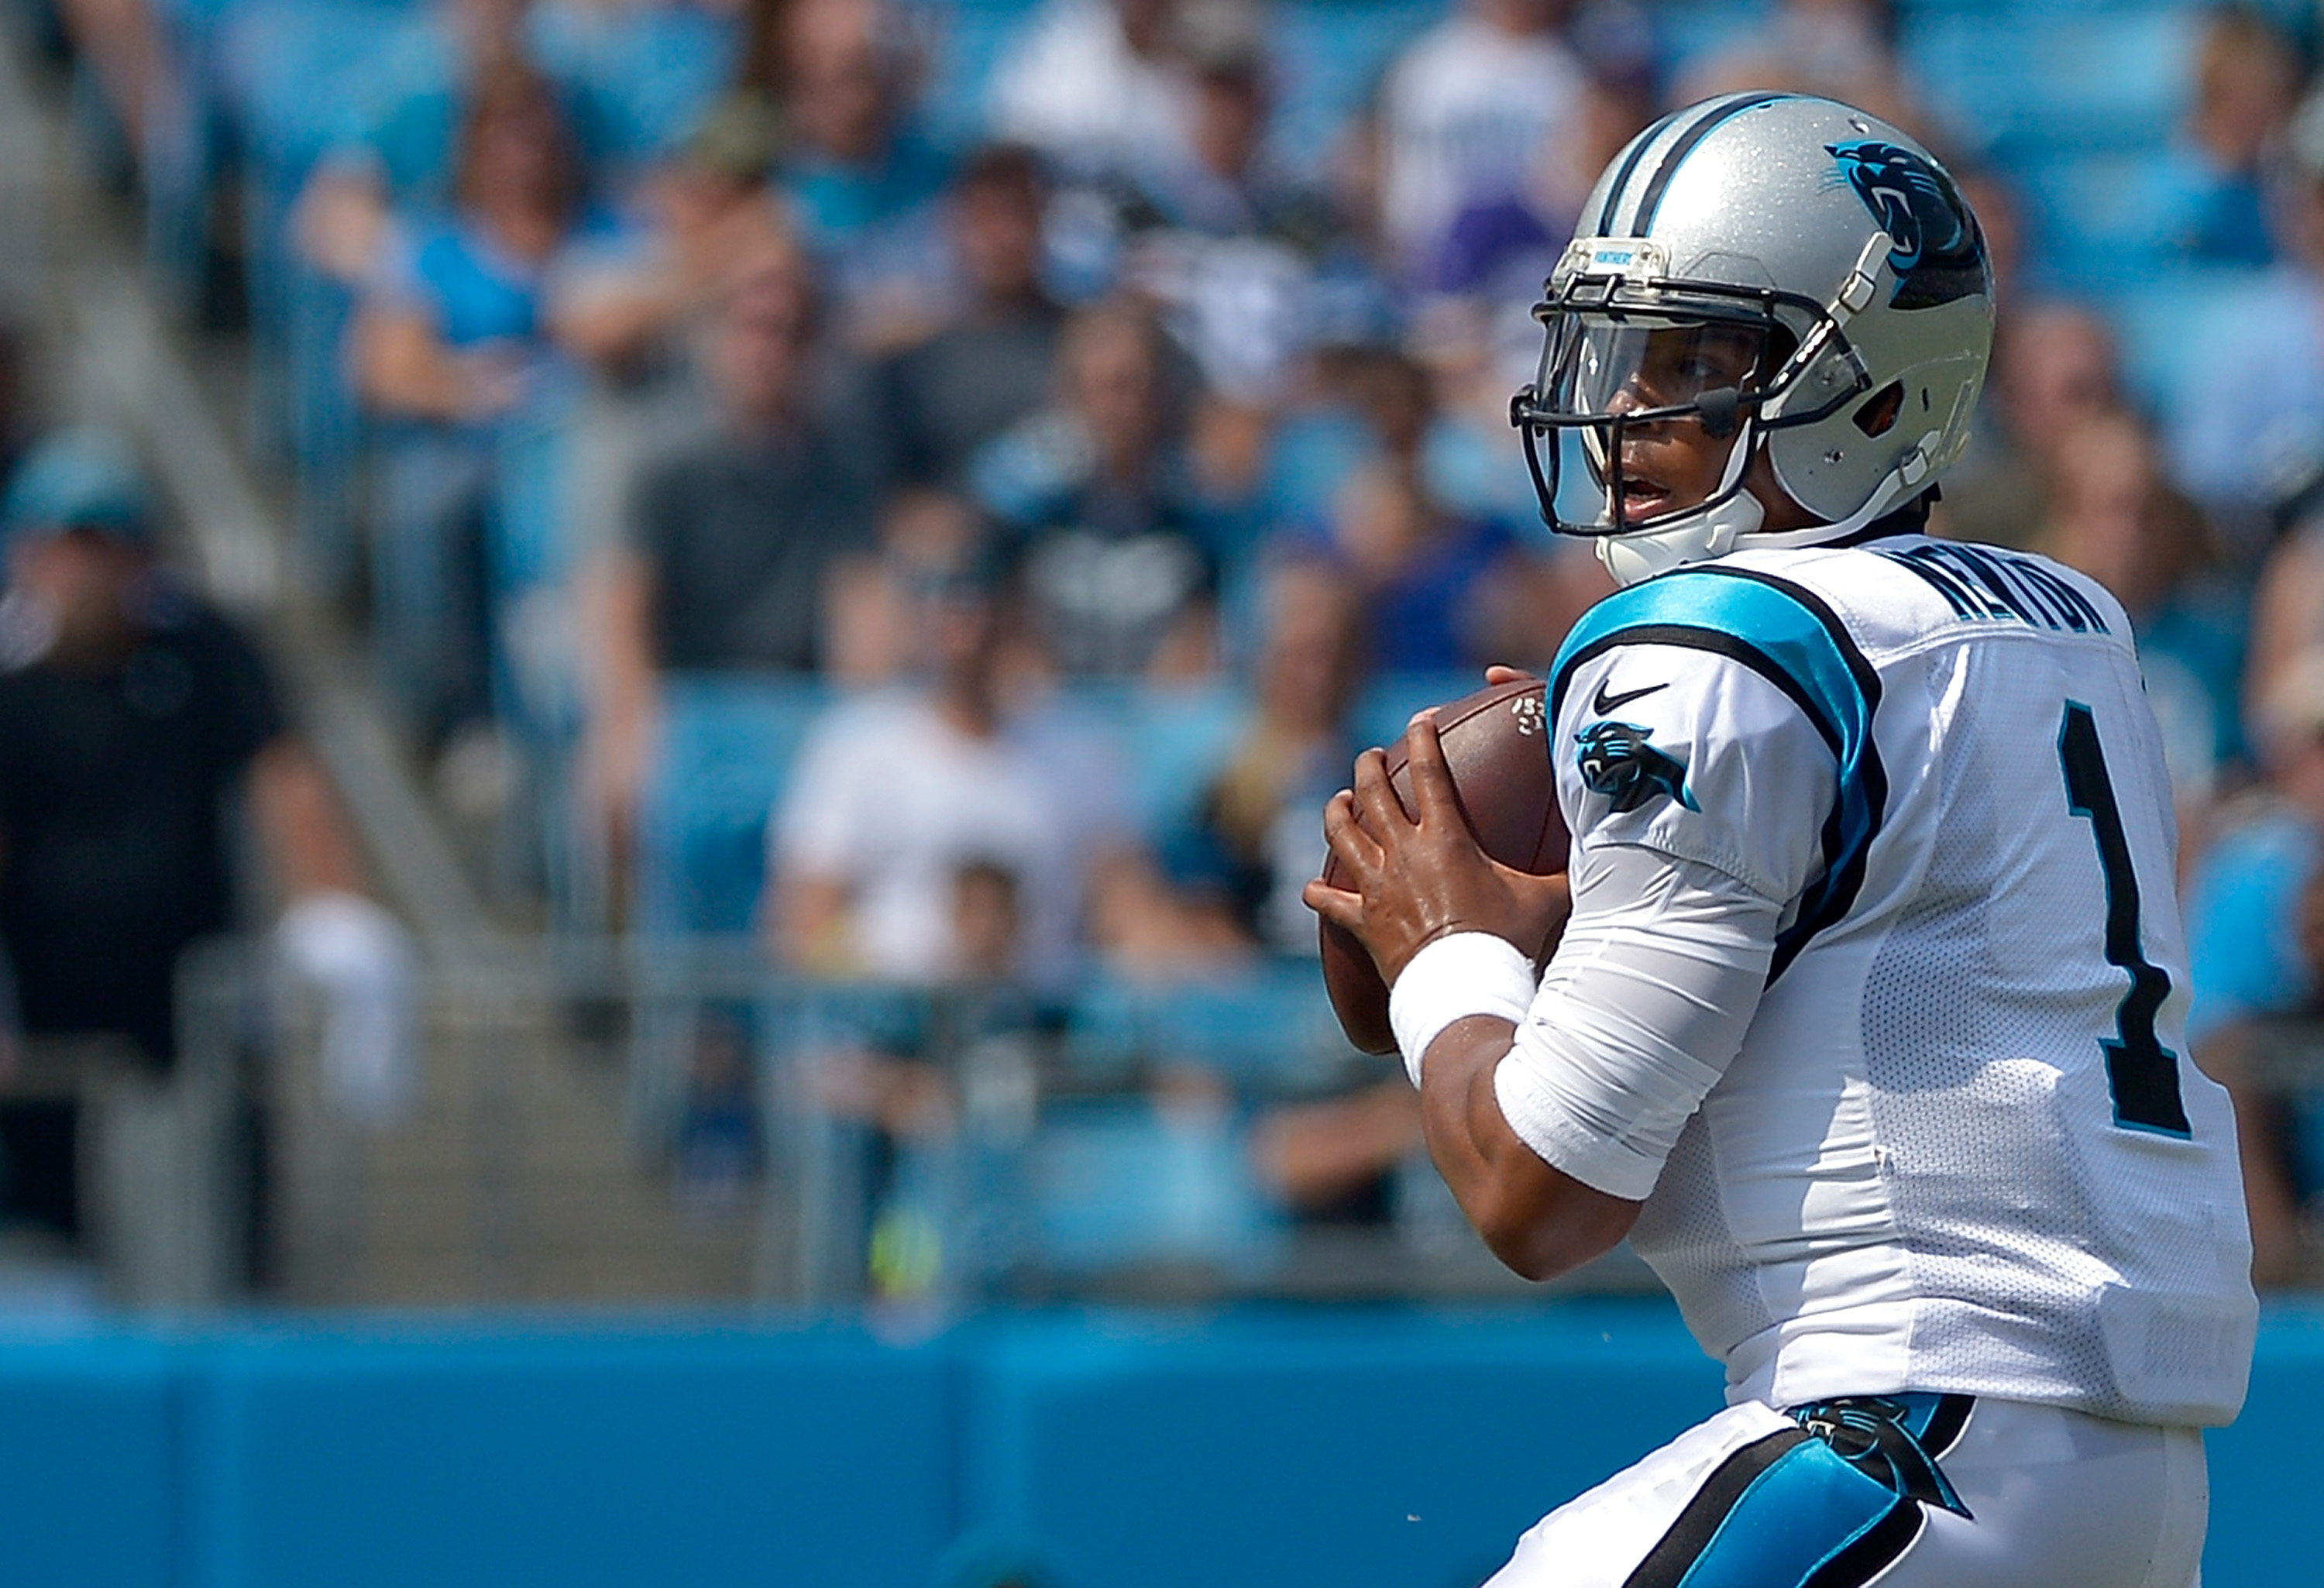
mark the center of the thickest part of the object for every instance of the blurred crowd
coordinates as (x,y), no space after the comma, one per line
(1050,436)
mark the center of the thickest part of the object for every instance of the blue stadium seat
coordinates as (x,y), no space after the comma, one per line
(1691,32)
(1176,739)
(644,74)
(2092,219)
(2193,339)
(1267,1030)
(728,743)
(1121,1181)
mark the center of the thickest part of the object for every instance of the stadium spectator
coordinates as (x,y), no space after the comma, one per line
(1443,589)
(2255,946)
(625,315)
(2054,365)
(129,62)
(1118,549)
(2114,516)
(872,601)
(992,361)
(1464,110)
(449,339)
(2210,203)
(896,791)
(1503,242)
(2287,601)
(1333,1161)
(1216,233)
(397,144)
(2243,459)
(729,534)
(1254,841)
(138,721)
(1095,85)
(705,211)
(862,181)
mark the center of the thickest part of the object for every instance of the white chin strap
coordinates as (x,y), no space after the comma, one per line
(1711,532)
(1697,537)
(1692,537)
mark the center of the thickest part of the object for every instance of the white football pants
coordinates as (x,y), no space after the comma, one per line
(1911,1490)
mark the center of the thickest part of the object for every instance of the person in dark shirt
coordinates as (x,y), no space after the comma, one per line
(137,723)
(991,364)
(1118,548)
(728,538)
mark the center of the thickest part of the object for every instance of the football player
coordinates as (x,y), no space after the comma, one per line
(1865,1027)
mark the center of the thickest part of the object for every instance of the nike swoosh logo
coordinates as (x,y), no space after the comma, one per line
(1605,702)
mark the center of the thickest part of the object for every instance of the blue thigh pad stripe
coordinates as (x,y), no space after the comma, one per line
(1801,1512)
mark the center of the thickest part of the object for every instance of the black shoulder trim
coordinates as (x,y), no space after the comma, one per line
(1718,643)
(1844,861)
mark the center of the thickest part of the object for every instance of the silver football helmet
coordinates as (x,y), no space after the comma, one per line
(1801,279)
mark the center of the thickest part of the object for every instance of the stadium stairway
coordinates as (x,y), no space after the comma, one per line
(513,1178)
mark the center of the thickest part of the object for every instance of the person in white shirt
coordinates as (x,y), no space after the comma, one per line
(896,791)
(1464,113)
(1095,86)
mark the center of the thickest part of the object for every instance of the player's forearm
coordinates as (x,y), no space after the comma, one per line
(1537,1220)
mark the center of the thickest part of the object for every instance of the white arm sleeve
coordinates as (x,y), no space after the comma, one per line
(1696,789)
(1643,1007)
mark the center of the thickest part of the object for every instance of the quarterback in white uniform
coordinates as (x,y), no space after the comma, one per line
(1865,1025)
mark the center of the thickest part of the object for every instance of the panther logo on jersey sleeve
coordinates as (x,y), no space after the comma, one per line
(1616,760)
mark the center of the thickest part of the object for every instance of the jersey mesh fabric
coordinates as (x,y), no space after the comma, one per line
(1984,1022)
(1950,1008)
(1912,1176)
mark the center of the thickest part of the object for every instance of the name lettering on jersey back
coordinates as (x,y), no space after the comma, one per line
(1979,584)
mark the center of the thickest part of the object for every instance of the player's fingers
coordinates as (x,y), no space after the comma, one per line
(1375,795)
(1356,849)
(1497,675)
(1432,779)
(1336,905)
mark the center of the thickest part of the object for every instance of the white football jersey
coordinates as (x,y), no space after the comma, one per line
(1963,1148)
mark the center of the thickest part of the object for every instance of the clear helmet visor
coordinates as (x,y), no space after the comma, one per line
(1636,420)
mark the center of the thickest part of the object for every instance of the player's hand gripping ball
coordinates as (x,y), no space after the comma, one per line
(1496,744)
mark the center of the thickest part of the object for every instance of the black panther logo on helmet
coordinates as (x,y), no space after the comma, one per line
(1938,252)
(1616,760)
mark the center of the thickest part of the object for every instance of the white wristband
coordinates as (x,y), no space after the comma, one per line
(1453,978)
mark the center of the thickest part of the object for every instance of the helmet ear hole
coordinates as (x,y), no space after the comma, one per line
(1878,411)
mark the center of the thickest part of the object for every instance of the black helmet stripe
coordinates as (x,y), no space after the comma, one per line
(1643,218)
(1638,147)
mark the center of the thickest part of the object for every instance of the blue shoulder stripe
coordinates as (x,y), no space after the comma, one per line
(1790,637)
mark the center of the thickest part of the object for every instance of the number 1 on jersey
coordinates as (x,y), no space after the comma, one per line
(2142,1074)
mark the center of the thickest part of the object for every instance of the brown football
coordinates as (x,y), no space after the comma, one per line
(1496,743)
